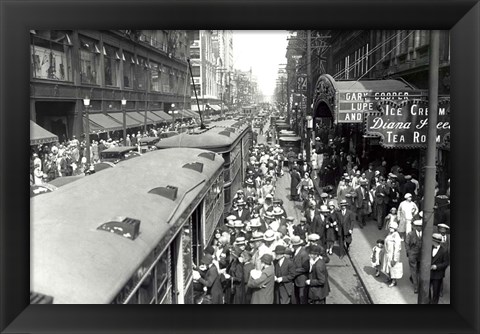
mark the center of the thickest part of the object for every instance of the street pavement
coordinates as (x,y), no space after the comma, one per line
(346,286)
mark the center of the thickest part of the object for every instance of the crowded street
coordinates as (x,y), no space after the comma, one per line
(305,174)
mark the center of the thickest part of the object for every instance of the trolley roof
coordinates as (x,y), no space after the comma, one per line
(76,263)
(221,134)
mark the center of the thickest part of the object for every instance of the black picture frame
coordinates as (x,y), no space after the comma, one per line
(17,17)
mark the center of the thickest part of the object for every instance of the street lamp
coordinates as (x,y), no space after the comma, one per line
(309,137)
(296,117)
(124,103)
(86,103)
(173,112)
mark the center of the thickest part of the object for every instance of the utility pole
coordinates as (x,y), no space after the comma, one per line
(309,97)
(430,171)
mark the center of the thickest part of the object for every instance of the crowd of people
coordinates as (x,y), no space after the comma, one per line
(69,157)
(262,255)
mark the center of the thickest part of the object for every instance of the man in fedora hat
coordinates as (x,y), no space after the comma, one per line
(382,193)
(302,229)
(302,266)
(317,281)
(413,247)
(242,214)
(345,220)
(262,281)
(214,294)
(284,276)
(236,280)
(362,202)
(440,262)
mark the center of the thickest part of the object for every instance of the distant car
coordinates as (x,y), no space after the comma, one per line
(148,144)
(120,153)
(167,134)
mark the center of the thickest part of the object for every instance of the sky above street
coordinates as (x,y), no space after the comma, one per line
(263,51)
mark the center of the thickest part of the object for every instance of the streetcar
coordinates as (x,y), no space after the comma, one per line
(128,235)
(231,138)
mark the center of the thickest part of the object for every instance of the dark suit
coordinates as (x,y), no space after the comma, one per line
(284,289)
(413,247)
(318,226)
(441,260)
(302,267)
(319,287)
(237,283)
(301,230)
(247,268)
(345,224)
(243,216)
(214,293)
(382,193)
(361,204)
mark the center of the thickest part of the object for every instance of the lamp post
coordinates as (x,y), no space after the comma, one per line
(173,112)
(296,117)
(309,137)
(86,103)
(124,103)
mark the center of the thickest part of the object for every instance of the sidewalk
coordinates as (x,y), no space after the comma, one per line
(360,251)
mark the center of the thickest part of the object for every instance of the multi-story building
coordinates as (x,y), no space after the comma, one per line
(147,69)
(245,89)
(369,56)
(211,54)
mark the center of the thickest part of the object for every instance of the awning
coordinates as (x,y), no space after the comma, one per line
(139,116)
(131,122)
(215,107)
(107,123)
(39,135)
(163,115)
(195,107)
(348,101)
(154,117)
(93,127)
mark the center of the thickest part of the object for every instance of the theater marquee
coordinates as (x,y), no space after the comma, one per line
(405,125)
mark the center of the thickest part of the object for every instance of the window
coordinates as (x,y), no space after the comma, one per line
(155,77)
(89,61)
(141,73)
(173,82)
(165,79)
(196,71)
(111,60)
(51,55)
(128,62)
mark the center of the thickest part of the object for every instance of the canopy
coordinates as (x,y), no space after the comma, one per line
(195,107)
(93,127)
(215,107)
(349,101)
(163,115)
(154,117)
(131,122)
(39,135)
(140,116)
(107,123)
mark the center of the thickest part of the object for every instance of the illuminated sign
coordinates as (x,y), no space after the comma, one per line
(405,125)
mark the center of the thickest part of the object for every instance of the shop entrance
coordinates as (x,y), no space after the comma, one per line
(56,117)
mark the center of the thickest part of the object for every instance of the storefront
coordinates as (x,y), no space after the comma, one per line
(383,119)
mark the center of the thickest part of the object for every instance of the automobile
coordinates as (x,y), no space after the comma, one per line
(119,153)
(147,144)
(167,134)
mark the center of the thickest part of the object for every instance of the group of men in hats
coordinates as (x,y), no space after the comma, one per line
(260,255)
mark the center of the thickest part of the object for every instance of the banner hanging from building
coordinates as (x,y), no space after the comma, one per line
(405,125)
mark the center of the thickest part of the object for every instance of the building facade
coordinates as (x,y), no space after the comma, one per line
(148,69)
(211,54)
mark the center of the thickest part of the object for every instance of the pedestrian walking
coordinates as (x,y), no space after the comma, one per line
(440,262)
(262,281)
(317,282)
(377,256)
(284,276)
(413,247)
(392,267)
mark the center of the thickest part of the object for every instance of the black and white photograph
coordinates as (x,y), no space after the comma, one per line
(240,167)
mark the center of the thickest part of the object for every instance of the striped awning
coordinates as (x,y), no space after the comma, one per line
(93,127)
(131,122)
(107,123)
(163,115)
(39,135)
(155,117)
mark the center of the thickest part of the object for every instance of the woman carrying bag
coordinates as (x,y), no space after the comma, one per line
(392,267)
